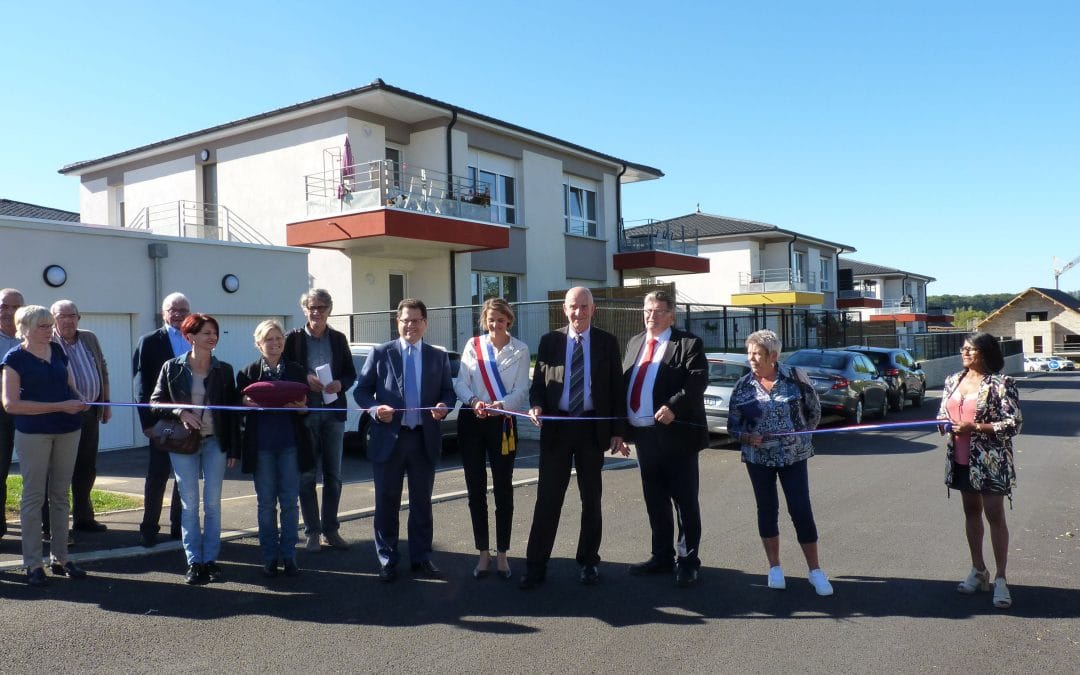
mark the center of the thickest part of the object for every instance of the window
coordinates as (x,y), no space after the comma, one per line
(823,273)
(579,209)
(494,285)
(1037,316)
(500,189)
(798,267)
(1038,345)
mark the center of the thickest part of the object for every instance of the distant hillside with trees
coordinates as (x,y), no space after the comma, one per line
(970,309)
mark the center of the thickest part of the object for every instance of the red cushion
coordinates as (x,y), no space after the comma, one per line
(275,394)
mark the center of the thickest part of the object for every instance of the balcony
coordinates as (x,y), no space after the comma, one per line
(939,315)
(782,286)
(856,299)
(386,207)
(899,309)
(655,250)
(196,220)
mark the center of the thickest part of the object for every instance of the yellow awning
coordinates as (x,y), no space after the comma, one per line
(777,298)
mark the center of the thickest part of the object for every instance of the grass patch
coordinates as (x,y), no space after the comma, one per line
(103,501)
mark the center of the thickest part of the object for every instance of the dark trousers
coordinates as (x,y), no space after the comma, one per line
(7,447)
(796,484)
(158,472)
(670,479)
(410,458)
(562,445)
(480,441)
(84,474)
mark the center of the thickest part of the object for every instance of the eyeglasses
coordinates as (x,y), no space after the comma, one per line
(649,312)
(178,310)
(321,309)
(66,316)
(410,322)
(968,350)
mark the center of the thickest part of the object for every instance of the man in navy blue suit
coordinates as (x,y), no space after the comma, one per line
(399,379)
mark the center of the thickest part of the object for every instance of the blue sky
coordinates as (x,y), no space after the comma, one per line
(937,137)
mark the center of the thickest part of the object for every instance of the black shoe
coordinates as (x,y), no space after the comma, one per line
(68,569)
(149,539)
(530,581)
(213,572)
(388,573)
(176,535)
(653,565)
(589,575)
(686,576)
(426,570)
(269,570)
(195,575)
(291,570)
(90,526)
(36,577)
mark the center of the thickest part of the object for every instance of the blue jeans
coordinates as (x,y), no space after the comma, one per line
(326,432)
(277,480)
(796,484)
(201,544)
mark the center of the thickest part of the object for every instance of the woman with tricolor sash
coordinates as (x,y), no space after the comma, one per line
(494,376)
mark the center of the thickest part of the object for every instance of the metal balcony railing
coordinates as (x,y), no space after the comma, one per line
(197,220)
(782,279)
(655,237)
(907,305)
(389,184)
(855,294)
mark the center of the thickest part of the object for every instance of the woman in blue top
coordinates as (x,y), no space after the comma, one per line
(774,399)
(39,392)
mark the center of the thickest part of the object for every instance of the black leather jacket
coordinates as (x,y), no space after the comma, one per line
(174,386)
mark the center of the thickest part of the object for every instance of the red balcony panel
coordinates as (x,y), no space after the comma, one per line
(851,303)
(659,263)
(899,316)
(370,231)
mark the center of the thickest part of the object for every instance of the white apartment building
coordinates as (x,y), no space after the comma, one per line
(396,194)
(880,293)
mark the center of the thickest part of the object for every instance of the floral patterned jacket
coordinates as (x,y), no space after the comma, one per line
(792,405)
(998,404)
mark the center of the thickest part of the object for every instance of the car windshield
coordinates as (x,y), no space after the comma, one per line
(880,360)
(722,373)
(829,360)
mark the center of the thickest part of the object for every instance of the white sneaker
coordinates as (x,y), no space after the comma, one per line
(820,582)
(975,581)
(1002,599)
(776,578)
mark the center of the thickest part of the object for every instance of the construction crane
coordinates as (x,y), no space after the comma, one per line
(1058,271)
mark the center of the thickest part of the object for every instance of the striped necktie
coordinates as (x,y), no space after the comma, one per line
(577,379)
(412,391)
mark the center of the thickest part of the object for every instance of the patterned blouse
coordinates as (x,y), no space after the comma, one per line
(792,405)
(991,461)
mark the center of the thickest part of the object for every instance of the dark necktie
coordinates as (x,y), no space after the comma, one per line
(639,379)
(577,379)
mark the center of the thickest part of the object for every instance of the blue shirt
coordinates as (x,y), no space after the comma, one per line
(45,382)
(180,345)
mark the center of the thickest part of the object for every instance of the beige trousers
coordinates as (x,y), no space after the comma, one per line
(45,458)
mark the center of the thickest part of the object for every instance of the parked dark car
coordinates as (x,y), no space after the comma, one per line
(846,382)
(906,379)
(358,422)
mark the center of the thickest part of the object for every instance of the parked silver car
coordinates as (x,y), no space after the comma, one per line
(724,371)
(357,422)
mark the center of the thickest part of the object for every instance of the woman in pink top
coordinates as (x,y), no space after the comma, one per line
(983,411)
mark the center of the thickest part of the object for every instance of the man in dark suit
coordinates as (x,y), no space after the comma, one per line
(153,350)
(665,374)
(576,375)
(399,377)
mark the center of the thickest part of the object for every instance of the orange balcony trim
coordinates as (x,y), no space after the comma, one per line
(472,235)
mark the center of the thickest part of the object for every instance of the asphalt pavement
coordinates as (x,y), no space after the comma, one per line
(890,539)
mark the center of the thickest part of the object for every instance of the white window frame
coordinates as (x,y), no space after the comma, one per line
(581,226)
(824,267)
(503,210)
(477,279)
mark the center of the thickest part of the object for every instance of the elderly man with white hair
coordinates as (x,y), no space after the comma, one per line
(91,373)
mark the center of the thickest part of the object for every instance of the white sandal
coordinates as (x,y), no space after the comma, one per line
(1002,599)
(975,581)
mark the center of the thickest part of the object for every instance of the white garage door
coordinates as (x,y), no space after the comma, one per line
(114,333)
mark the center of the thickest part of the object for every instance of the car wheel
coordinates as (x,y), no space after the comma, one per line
(356,442)
(857,414)
(916,400)
(902,403)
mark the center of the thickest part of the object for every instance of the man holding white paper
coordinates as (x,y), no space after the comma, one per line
(325,352)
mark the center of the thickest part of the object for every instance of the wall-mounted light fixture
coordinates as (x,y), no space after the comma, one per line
(55,276)
(230,283)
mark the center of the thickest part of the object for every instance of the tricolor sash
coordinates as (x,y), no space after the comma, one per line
(489,372)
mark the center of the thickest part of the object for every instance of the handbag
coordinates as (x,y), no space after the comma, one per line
(173,436)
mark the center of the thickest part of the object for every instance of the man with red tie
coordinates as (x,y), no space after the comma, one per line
(665,373)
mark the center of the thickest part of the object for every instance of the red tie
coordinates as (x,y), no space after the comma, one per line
(635,391)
